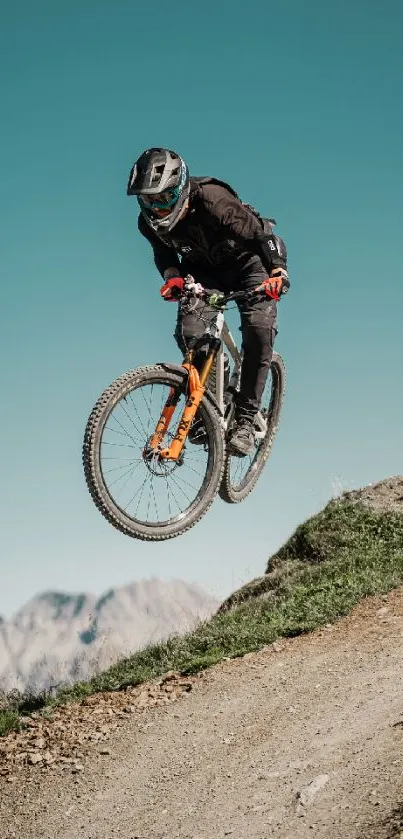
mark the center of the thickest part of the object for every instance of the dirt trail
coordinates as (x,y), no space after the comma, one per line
(303,739)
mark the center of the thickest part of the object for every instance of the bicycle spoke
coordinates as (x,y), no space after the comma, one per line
(169,500)
(187,483)
(147,406)
(191,469)
(119,445)
(179,506)
(130,475)
(115,431)
(122,476)
(126,433)
(150,416)
(132,459)
(154,499)
(179,487)
(131,420)
(140,489)
(115,468)
(193,458)
(137,415)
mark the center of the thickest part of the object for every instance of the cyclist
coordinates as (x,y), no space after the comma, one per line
(199,226)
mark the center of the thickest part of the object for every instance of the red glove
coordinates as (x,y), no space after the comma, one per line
(172,289)
(276,284)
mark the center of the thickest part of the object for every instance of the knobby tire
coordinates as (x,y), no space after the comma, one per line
(234,494)
(98,418)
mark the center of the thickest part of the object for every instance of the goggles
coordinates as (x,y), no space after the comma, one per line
(161,200)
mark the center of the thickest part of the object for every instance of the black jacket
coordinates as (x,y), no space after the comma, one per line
(217,233)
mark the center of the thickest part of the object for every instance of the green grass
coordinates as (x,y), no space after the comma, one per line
(9,721)
(333,560)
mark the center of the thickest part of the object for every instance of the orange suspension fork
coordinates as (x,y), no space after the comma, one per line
(197,386)
(168,410)
(165,418)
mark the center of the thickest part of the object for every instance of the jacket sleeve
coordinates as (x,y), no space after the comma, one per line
(164,256)
(240,224)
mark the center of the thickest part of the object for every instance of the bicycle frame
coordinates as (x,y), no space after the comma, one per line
(219,335)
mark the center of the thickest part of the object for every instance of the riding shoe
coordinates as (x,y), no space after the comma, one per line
(242,438)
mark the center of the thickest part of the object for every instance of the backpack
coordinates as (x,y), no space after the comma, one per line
(267,223)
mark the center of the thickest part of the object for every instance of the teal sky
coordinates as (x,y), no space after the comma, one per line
(298,105)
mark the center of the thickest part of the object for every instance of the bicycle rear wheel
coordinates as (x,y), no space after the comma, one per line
(139,493)
(241,474)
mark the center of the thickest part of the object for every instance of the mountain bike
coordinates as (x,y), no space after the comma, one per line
(155,451)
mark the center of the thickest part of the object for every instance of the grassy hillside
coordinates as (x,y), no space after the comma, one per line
(348,551)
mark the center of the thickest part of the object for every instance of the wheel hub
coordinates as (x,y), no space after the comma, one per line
(160,466)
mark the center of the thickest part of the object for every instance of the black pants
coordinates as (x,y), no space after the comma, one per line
(258,328)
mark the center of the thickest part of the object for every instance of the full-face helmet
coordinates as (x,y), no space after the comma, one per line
(160,179)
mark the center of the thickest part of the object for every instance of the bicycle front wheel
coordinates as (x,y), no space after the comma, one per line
(142,496)
(241,474)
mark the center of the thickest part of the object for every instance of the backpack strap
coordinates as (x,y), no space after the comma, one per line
(196,182)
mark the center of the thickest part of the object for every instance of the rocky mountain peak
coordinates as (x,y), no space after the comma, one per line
(58,635)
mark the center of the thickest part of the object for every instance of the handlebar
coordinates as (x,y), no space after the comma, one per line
(218,300)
